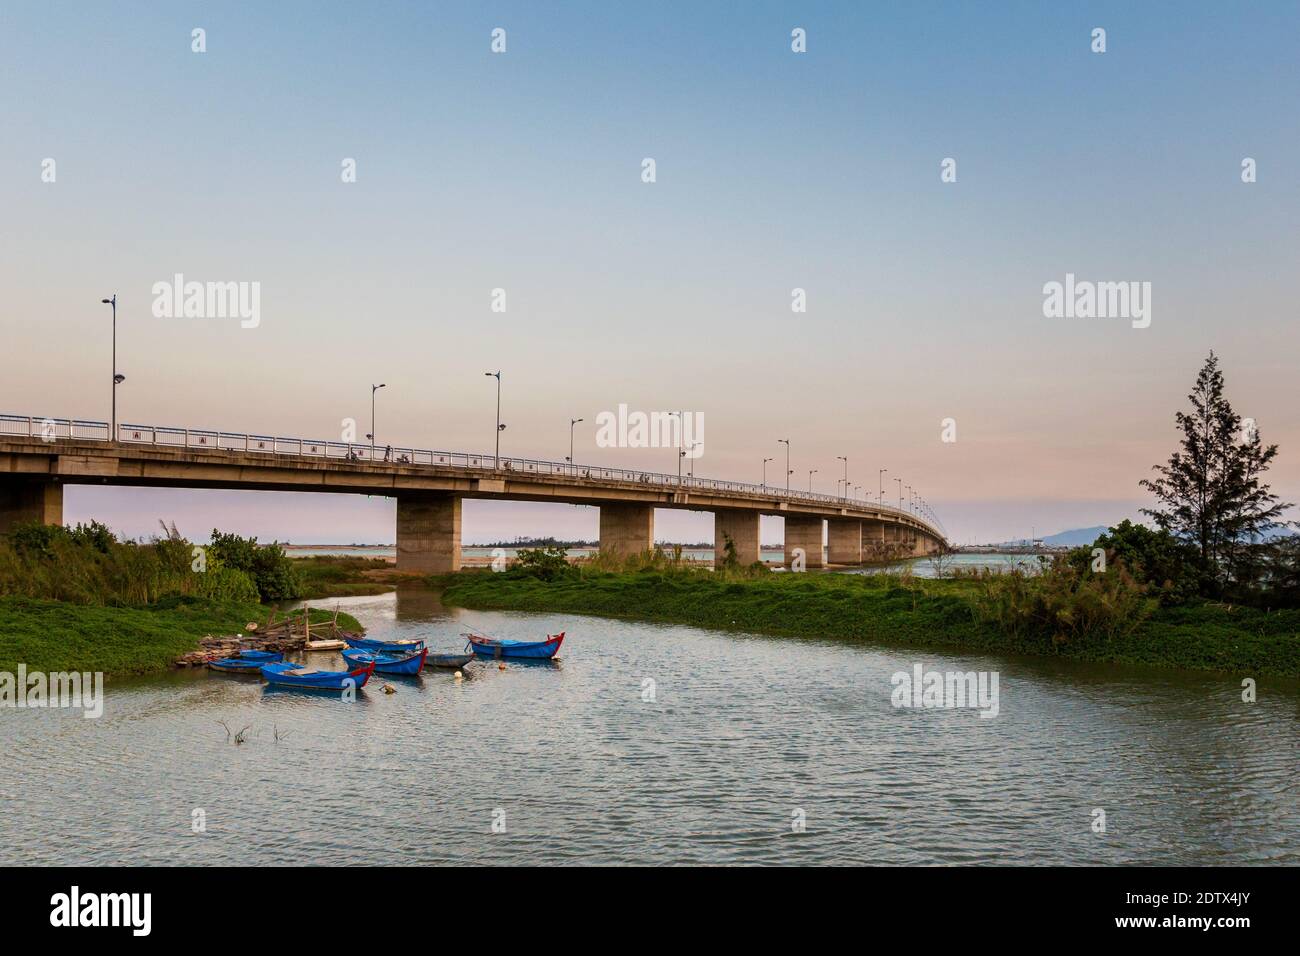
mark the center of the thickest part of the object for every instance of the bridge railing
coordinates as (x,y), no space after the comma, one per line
(52,429)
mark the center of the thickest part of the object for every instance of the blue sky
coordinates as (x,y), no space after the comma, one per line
(775,170)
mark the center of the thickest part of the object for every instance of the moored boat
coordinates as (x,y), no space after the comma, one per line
(387,647)
(519,650)
(450,661)
(285,674)
(245,662)
(410,663)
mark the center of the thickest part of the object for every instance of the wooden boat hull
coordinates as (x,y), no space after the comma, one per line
(388,663)
(294,675)
(516,650)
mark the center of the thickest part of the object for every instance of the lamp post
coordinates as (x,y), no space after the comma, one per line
(845,479)
(691,472)
(572,422)
(900,493)
(765,461)
(496,455)
(788,472)
(373,388)
(117,379)
(811,472)
(880,501)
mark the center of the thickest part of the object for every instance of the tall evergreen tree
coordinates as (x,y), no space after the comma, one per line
(1210,493)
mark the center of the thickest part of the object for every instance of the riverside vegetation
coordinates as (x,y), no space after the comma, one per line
(1214,585)
(80,599)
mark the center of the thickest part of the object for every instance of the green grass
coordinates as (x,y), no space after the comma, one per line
(888,610)
(337,576)
(119,641)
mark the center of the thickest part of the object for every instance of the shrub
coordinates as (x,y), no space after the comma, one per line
(548,563)
(1155,558)
(1063,602)
(267,565)
(88,565)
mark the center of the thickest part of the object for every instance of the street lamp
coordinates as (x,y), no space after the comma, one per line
(765,461)
(572,422)
(680,453)
(117,379)
(691,473)
(881,478)
(496,456)
(845,479)
(373,388)
(788,472)
(900,493)
(810,474)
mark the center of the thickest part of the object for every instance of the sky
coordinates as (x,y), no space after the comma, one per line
(774,170)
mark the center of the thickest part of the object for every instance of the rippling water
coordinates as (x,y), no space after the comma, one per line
(743,732)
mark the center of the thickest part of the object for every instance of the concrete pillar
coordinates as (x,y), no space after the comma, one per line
(28,500)
(844,540)
(428,533)
(742,528)
(806,533)
(626,529)
(873,539)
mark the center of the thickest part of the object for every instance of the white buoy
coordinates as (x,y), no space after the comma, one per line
(459,675)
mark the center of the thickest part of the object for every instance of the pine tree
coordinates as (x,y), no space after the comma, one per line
(1210,491)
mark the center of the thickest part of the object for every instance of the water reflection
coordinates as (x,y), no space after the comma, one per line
(741,732)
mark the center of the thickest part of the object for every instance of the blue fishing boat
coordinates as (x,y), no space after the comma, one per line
(284,674)
(386,647)
(245,662)
(411,663)
(519,650)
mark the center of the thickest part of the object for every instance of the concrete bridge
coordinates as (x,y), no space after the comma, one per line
(40,456)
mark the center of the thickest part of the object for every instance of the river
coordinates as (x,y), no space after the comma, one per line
(738,740)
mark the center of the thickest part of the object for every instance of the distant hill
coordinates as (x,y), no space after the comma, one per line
(1080,536)
(1065,539)
(1074,537)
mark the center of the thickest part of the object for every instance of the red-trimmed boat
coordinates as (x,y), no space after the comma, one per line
(515,650)
(284,674)
(407,664)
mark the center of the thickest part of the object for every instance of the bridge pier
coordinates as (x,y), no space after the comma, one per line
(805,533)
(742,528)
(30,500)
(844,540)
(626,529)
(428,533)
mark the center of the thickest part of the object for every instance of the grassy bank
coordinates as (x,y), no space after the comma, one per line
(892,611)
(60,636)
(336,576)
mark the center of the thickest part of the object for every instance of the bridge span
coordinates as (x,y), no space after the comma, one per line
(39,456)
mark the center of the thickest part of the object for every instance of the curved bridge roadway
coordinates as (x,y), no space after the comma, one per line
(39,456)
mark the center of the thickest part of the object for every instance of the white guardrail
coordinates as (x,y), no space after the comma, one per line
(53,429)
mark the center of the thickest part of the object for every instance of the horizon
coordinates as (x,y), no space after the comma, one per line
(478,173)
